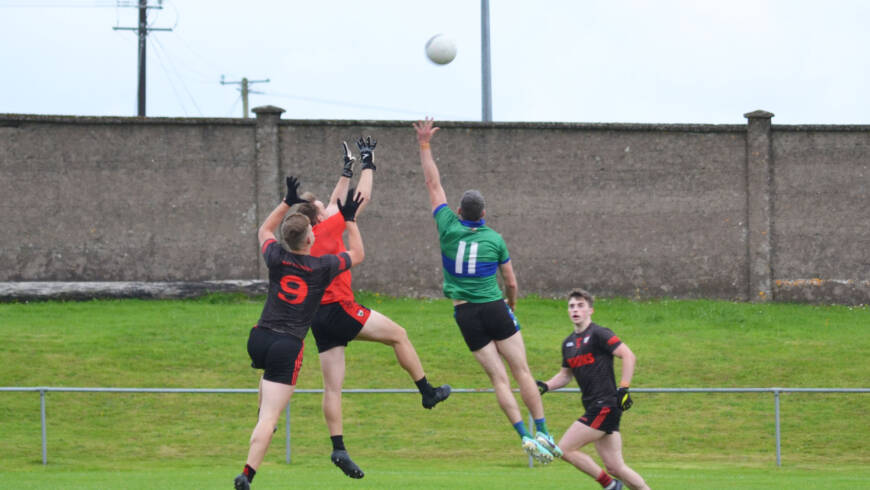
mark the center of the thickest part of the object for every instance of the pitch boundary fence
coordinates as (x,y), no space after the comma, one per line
(42,390)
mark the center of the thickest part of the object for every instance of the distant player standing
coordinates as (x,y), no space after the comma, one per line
(296,283)
(472,254)
(587,356)
(341,319)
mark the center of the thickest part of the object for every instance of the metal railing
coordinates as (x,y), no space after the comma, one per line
(776,392)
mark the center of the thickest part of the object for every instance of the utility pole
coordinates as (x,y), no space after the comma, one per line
(142,30)
(244,82)
(485,64)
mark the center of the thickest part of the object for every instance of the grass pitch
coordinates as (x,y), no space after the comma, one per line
(200,441)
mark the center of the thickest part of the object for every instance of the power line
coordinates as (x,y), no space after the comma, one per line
(91,4)
(200,59)
(161,51)
(235,103)
(359,106)
(172,85)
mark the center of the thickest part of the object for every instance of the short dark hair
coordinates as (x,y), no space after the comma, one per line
(294,230)
(309,210)
(582,293)
(471,205)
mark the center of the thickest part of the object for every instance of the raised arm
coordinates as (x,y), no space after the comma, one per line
(267,229)
(343,181)
(425,131)
(366,177)
(354,242)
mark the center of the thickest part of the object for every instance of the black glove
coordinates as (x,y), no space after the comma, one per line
(623,399)
(351,204)
(542,387)
(292,196)
(366,152)
(348,161)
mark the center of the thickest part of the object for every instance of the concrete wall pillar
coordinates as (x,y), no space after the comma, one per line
(759,205)
(267,185)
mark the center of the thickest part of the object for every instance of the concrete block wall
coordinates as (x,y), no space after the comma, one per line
(745,212)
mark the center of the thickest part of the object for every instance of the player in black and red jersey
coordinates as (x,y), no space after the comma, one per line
(297,281)
(587,355)
(340,319)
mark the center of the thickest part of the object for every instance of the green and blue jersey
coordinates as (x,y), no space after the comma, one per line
(471,253)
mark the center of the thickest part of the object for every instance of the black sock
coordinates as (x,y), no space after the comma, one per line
(337,443)
(249,473)
(424,386)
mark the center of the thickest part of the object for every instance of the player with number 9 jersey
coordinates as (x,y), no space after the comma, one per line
(296,285)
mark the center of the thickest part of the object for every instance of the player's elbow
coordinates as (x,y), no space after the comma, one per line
(357,256)
(433,184)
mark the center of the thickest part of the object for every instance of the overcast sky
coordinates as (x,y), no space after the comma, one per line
(666,61)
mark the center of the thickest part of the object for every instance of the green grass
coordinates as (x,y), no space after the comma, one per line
(674,440)
(382,473)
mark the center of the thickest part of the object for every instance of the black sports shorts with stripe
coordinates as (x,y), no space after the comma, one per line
(602,417)
(338,323)
(278,355)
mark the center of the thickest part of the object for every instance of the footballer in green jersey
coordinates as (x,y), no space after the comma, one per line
(472,254)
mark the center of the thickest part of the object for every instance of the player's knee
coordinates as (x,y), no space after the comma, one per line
(262,434)
(522,373)
(396,335)
(401,335)
(614,469)
(499,379)
(331,390)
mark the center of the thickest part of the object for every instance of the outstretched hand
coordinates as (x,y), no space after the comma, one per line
(292,196)
(367,152)
(426,129)
(351,204)
(348,161)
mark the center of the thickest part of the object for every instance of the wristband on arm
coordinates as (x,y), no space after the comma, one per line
(347,171)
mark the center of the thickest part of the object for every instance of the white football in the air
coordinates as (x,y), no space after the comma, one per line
(441,49)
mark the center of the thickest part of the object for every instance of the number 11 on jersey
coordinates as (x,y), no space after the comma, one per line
(472,257)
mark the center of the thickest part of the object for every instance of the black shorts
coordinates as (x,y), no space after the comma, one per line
(338,323)
(602,417)
(279,355)
(481,323)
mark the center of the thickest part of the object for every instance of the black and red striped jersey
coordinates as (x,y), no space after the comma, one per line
(296,284)
(589,355)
